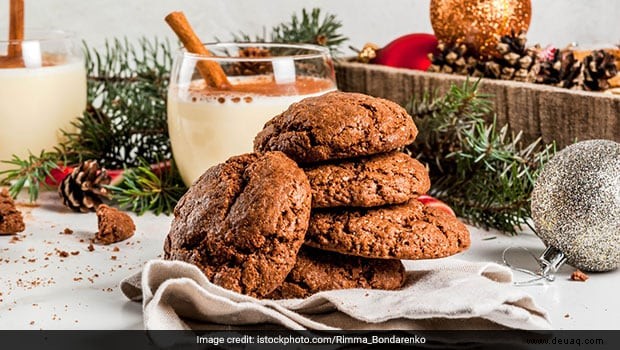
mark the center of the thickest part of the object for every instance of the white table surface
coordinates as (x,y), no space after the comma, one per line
(41,290)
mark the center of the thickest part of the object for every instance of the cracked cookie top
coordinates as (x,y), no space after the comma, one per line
(389,178)
(406,231)
(337,125)
(243,221)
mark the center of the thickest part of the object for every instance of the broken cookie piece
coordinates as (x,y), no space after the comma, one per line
(114,225)
(11,220)
(578,275)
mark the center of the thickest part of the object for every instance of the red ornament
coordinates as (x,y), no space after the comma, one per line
(116,175)
(57,175)
(436,203)
(409,51)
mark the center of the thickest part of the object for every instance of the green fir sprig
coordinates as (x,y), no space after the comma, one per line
(125,118)
(149,187)
(30,171)
(483,171)
(310,27)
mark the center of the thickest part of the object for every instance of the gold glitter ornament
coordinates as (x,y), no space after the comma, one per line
(479,23)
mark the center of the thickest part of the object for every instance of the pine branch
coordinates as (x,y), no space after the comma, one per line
(31,171)
(149,188)
(484,172)
(311,29)
(308,28)
(126,113)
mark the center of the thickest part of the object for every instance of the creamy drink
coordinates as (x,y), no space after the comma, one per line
(42,89)
(207,127)
(35,103)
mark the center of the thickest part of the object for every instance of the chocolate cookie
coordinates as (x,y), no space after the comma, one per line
(337,125)
(406,231)
(391,178)
(318,270)
(243,221)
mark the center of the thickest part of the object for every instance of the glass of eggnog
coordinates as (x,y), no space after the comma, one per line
(42,90)
(208,125)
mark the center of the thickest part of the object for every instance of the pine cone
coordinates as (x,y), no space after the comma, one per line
(251,68)
(83,189)
(452,59)
(368,53)
(516,62)
(598,68)
(562,70)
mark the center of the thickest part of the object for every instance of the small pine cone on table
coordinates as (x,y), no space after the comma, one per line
(84,189)
(598,68)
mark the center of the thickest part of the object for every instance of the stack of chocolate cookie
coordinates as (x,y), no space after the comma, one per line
(364,189)
(326,202)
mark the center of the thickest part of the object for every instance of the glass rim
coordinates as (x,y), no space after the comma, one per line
(42,36)
(319,52)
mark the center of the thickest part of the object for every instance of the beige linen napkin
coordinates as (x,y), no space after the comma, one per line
(438,294)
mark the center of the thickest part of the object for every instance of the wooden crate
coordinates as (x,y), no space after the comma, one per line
(539,111)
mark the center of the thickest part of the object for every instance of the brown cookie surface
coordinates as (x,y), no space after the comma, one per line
(405,231)
(243,221)
(318,270)
(390,178)
(337,125)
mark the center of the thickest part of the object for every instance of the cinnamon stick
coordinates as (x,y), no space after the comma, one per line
(211,71)
(16,28)
(11,62)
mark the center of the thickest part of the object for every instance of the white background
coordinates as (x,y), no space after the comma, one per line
(558,22)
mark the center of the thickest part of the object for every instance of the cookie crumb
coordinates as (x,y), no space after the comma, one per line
(67,231)
(114,225)
(116,249)
(566,316)
(12,219)
(75,253)
(31,323)
(91,247)
(113,257)
(578,275)
(63,254)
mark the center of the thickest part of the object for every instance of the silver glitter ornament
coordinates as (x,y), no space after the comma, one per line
(576,207)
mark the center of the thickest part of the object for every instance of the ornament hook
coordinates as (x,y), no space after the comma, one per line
(549,262)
